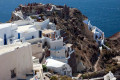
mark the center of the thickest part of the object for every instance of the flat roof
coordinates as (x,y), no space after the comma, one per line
(47,31)
(54,63)
(26,28)
(5,25)
(8,48)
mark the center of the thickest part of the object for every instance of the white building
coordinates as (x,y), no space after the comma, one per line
(69,50)
(42,25)
(54,41)
(37,49)
(98,34)
(40,33)
(24,30)
(5,32)
(59,67)
(27,31)
(1,41)
(15,61)
(109,76)
(38,70)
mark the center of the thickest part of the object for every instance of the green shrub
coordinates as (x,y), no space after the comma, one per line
(44,68)
(65,78)
(33,17)
(107,44)
(53,78)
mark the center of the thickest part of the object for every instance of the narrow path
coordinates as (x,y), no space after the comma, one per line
(87,60)
(95,66)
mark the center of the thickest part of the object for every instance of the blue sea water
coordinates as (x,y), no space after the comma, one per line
(105,14)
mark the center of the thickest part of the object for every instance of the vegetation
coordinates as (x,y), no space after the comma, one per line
(33,17)
(44,68)
(112,68)
(65,78)
(93,75)
(107,44)
(53,78)
(60,78)
(41,15)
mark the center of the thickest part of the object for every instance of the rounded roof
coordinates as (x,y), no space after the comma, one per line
(54,63)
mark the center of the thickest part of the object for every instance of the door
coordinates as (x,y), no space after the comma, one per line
(18,35)
(40,34)
(5,39)
(65,73)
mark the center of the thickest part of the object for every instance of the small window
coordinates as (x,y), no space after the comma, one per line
(32,37)
(13,73)
(10,40)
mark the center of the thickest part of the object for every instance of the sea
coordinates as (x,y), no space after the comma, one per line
(105,14)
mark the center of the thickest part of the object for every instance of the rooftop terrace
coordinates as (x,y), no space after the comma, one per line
(8,48)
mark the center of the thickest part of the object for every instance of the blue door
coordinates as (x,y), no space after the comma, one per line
(40,34)
(18,35)
(5,39)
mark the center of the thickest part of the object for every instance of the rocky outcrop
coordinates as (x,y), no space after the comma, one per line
(15,17)
(115,36)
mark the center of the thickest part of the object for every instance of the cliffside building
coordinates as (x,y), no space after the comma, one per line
(59,67)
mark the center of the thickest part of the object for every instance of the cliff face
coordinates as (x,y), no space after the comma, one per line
(86,49)
(70,21)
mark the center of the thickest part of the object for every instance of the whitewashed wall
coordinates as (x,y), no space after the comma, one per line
(20,59)
(42,25)
(7,31)
(58,53)
(37,50)
(27,35)
(56,44)
(1,42)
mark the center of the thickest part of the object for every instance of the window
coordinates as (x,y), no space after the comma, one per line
(13,73)
(32,37)
(10,40)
